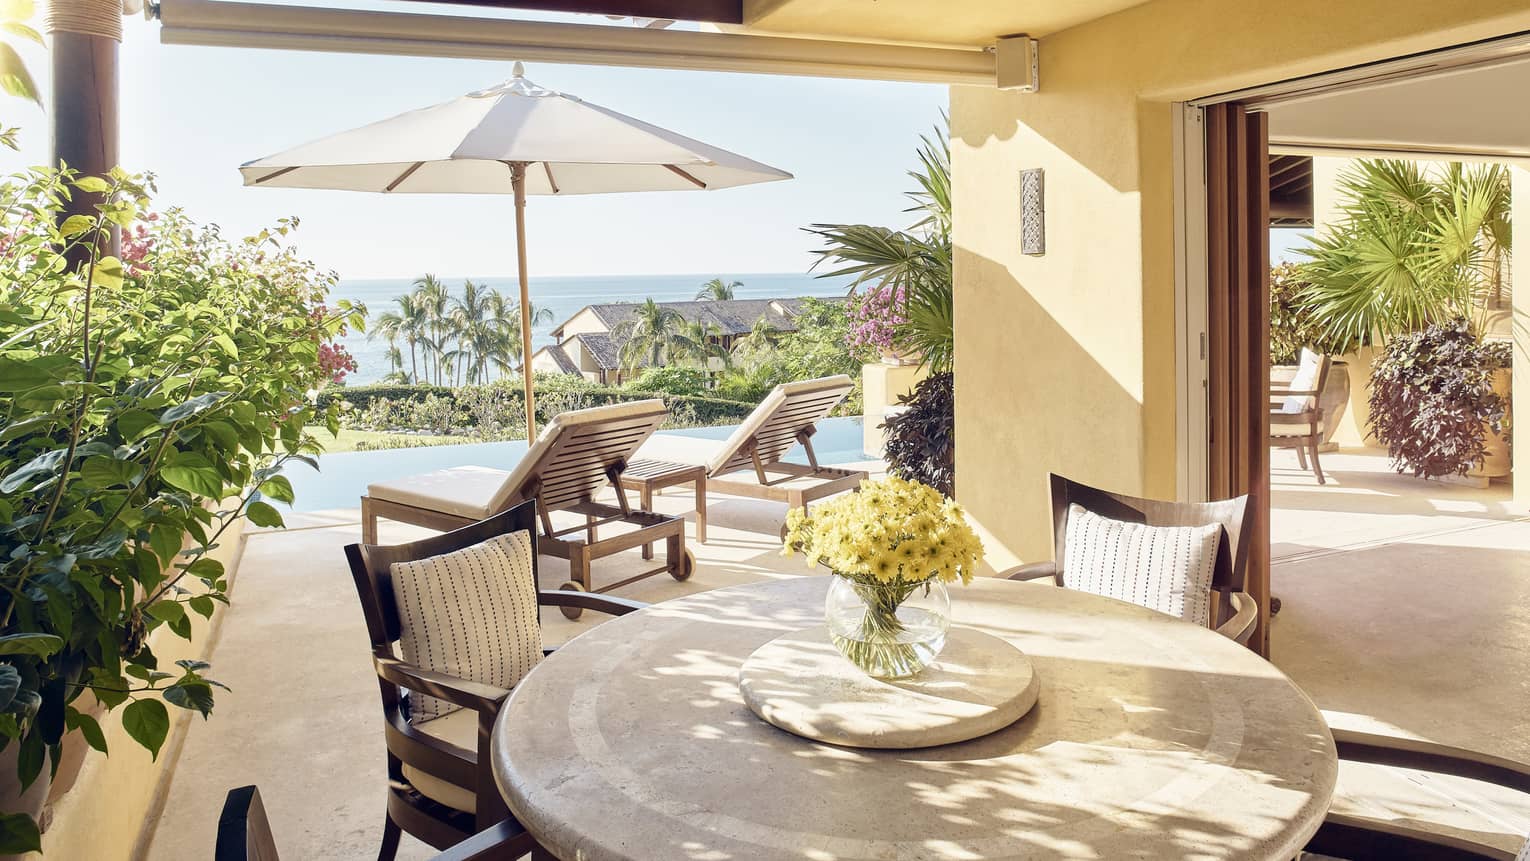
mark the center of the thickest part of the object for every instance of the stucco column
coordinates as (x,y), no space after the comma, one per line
(1519,288)
(85,35)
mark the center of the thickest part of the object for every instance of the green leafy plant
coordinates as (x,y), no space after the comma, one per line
(718,290)
(146,403)
(1412,248)
(1292,323)
(921,440)
(913,265)
(673,381)
(1431,395)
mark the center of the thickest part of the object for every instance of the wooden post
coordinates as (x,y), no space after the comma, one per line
(83,111)
(518,183)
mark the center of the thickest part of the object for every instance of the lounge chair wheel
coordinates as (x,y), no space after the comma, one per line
(687,566)
(572,612)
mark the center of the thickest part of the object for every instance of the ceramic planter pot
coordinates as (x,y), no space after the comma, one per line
(1498,462)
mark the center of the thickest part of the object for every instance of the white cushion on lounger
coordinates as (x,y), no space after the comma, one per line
(477,492)
(466,491)
(461,729)
(767,409)
(679,449)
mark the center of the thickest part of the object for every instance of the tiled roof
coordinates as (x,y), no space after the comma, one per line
(606,352)
(560,358)
(730,317)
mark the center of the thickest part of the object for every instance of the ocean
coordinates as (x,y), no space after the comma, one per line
(564,296)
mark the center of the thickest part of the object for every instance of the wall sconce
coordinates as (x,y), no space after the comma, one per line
(1033,232)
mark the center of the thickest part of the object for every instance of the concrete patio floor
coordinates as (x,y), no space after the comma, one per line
(1406,607)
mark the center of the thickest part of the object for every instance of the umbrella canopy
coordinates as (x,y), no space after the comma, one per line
(515,138)
(465,146)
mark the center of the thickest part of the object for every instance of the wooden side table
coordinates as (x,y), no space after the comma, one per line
(647,476)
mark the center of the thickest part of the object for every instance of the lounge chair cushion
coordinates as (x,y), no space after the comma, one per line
(768,416)
(476,492)
(472,614)
(466,491)
(1164,568)
(461,729)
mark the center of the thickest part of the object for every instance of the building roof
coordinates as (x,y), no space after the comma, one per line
(603,348)
(730,317)
(560,358)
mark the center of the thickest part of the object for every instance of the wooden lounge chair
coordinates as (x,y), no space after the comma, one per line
(1360,838)
(577,455)
(441,787)
(1234,611)
(749,462)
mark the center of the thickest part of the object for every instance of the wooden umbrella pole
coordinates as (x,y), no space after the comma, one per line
(518,182)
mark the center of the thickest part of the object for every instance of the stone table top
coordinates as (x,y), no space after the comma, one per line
(799,682)
(1150,738)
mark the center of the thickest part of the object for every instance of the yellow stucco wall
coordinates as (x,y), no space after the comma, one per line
(109,812)
(1065,362)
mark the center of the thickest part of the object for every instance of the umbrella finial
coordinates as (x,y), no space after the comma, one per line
(518,70)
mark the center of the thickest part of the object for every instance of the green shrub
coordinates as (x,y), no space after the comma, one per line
(1292,322)
(673,381)
(497,410)
(148,402)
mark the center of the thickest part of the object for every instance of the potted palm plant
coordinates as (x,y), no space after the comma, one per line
(1415,268)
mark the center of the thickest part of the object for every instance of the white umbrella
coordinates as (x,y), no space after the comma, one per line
(515,138)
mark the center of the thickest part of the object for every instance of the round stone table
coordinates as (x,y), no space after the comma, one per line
(1150,738)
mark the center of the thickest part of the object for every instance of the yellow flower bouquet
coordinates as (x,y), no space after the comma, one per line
(892,547)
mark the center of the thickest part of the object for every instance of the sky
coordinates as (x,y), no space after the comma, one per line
(192,115)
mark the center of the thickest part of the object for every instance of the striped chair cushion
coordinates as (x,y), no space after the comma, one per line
(1524,851)
(471,613)
(1165,568)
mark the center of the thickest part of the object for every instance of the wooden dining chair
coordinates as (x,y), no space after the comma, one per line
(1296,416)
(1233,609)
(244,834)
(440,784)
(1359,838)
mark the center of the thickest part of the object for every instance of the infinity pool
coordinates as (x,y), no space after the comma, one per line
(343,478)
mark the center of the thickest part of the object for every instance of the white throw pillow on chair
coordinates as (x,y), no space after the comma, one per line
(471,613)
(1305,380)
(1164,568)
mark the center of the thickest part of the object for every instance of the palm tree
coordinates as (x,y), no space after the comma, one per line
(507,317)
(434,301)
(718,290)
(760,342)
(1412,248)
(915,262)
(703,341)
(473,329)
(407,324)
(650,336)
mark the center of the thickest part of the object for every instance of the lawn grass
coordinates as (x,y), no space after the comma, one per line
(373,440)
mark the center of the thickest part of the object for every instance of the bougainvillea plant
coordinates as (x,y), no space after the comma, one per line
(147,402)
(875,315)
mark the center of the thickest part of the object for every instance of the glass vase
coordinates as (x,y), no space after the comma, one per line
(888,630)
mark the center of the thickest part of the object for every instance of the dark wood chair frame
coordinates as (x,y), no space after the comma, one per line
(244,834)
(564,486)
(407,809)
(1234,611)
(1306,445)
(1362,839)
